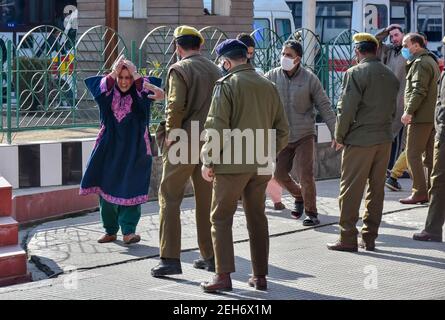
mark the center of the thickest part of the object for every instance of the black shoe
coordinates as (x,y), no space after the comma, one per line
(393,184)
(167,267)
(298,210)
(205,264)
(311,220)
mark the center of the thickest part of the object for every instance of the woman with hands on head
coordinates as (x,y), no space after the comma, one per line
(120,164)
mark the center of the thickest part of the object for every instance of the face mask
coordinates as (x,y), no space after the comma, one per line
(406,54)
(287,64)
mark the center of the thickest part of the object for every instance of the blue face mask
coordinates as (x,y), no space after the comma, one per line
(406,54)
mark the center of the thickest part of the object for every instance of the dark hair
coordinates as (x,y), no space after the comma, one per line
(236,55)
(416,38)
(367,47)
(246,39)
(189,42)
(396,28)
(425,38)
(294,45)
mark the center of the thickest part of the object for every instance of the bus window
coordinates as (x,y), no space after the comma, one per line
(400,14)
(283,28)
(332,18)
(429,21)
(262,38)
(376,17)
(296,8)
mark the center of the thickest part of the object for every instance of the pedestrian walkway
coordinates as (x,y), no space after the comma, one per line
(300,265)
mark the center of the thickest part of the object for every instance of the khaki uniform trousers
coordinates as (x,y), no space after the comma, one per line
(436,212)
(227,189)
(171,192)
(419,140)
(362,165)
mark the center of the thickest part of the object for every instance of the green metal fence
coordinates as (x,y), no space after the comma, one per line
(43,76)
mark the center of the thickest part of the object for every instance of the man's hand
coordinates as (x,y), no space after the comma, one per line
(158,93)
(207,173)
(337,146)
(406,119)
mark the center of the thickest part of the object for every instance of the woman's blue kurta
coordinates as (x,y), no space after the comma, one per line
(119,168)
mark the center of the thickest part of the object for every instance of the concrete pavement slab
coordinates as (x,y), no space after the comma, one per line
(301,268)
(61,245)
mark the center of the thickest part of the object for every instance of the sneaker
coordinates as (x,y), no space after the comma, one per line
(393,184)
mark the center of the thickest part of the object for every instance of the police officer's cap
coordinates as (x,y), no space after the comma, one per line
(230,45)
(182,31)
(363,37)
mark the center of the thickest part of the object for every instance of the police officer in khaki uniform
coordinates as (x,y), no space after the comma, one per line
(420,101)
(366,111)
(246,101)
(189,89)
(436,211)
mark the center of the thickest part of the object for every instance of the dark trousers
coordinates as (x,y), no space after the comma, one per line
(303,152)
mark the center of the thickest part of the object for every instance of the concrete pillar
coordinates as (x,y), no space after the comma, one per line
(309,12)
(309,43)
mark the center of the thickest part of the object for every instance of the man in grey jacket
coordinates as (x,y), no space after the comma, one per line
(302,95)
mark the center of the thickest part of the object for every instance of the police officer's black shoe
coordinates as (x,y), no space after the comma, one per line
(167,267)
(298,209)
(393,184)
(205,264)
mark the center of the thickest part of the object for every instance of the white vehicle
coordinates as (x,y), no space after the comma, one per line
(274,15)
(332,17)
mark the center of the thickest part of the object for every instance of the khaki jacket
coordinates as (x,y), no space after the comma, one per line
(367,106)
(189,88)
(244,100)
(421,87)
(440,111)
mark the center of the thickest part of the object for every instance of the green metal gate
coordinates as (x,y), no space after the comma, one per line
(341,58)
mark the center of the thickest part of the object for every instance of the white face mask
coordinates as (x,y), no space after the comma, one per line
(287,64)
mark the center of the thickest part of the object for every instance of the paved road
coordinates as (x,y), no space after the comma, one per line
(300,265)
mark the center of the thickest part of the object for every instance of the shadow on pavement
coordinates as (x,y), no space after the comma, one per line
(277,278)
